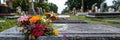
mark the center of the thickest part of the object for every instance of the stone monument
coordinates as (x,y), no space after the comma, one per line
(111,10)
(39,10)
(102,6)
(74,11)
(96,9)
(31,8)
(9,3)
(93,7)
(119,9)
(19,9)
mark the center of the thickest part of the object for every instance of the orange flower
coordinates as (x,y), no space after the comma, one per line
(55,32)
(34,19)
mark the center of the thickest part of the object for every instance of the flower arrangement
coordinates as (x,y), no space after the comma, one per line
(36,26)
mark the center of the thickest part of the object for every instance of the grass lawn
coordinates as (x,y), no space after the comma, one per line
(90,20)
(7,24)
(105,21)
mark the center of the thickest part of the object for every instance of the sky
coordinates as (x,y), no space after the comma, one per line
(59,3)
(61,6)
(109,2)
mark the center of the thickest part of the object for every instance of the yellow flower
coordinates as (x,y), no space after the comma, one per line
(34,19)
(55,32)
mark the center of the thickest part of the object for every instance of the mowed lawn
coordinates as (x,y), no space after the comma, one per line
(105,21)
(8,23)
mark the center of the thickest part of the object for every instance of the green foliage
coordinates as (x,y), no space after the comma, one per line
(116,4)
(66,10)
(42,4)
(53,7)
(24,4)
(78,3)
(117,26)
(97,20)
(7,24)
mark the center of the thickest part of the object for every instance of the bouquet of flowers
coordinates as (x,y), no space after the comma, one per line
(36,26)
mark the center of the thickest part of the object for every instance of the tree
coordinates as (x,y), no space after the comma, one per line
(24,4)
(53,7)
(116,4)
(65,10)
(42,4)
(87,4)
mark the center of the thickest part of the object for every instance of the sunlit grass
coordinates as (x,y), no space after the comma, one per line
(7,24)
(105,21)
(90,21)
(97,20)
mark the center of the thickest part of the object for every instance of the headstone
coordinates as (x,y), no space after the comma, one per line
(102,6)
(31,8)
(9,3)
(39,10)
(110,10)
(113,10)
(93,7)
(4,9)
(72,32)
(118,9)
(19,9)
(74,11)
(96,9)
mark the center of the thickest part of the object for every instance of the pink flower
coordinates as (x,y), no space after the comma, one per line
(22,19)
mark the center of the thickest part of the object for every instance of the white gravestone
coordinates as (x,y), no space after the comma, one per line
(96,9)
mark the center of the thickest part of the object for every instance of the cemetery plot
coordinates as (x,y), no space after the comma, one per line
(103,15)
(69,21)
(70,32)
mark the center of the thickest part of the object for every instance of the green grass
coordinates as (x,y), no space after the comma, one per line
(97,20)
(7,24)
(104,21)
(117,26)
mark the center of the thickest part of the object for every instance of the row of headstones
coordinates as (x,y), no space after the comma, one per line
(39,10)
(97,10)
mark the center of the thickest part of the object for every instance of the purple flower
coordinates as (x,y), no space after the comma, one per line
(33,25)
(64,35)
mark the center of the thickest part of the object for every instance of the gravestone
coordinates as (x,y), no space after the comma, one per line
(4,9)
(96,9)
(72,32)
(39,10)
(19,9)
(93,7)
(111,10)
(74,11)
(103,15)
(69,21)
